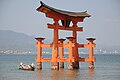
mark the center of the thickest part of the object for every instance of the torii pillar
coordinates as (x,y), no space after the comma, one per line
(76,54)
(91,52)
(55,64)
(61,52)
(39,48)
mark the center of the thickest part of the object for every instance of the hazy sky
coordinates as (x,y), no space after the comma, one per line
(104,24)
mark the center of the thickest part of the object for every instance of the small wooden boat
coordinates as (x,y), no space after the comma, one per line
(26,67)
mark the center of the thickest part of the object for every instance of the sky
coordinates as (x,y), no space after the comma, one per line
(104,24)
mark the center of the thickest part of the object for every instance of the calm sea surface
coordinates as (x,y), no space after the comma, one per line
(107,67)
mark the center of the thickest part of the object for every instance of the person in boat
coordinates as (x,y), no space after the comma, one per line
(27,67)
(32,64)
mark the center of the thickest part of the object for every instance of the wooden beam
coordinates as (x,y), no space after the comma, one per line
(51,26)
(83,45)
(46,45)
(63,45)
(46,60)
(62,60)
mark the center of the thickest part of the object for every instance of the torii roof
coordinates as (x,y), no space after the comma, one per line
(45,8)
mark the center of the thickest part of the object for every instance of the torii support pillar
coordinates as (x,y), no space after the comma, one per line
(91,52)
(61,52)
(39,56)
(72,63)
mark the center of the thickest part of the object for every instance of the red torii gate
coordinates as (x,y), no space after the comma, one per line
(73,58)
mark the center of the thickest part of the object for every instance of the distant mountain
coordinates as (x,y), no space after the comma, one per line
(14,40)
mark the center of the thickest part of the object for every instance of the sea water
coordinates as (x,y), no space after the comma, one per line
(107,67)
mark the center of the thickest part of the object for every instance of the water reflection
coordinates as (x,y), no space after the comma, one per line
(38,74)
(90,74)
(65,74)
(91,71)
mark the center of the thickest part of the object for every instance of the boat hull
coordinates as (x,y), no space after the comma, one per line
(28,69)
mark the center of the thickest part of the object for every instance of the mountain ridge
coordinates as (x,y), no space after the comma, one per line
(14,40)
